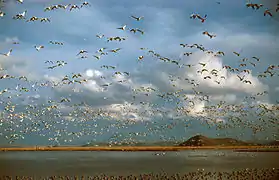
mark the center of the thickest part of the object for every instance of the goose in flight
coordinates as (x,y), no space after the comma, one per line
(48,8)
(187,53)
(100,36)
(38,48)
(258,6)
(241,78)
(81,52)
(20,15)
(123,27)
(236,53)
(202,18)
(48,61)
(194,16)
(247,82)
(257,59)
(55,42)
(140,58)
(115,50)
(74,7)
(34,18)
(137,18)
(209,35)
(253,6)
(83,57)
(248,4)
(8,53)
(64,6)
(133,30)
(101,50)
(141,31)
(136,29)
(97,57)
(202,64)
(20,1)
(2,14)
(54,7)
(85,4)
(267,12)
(23,14)
(220,53)
(253,64)
(246,71)
(45,20)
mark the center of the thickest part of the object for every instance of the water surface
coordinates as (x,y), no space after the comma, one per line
(43,163)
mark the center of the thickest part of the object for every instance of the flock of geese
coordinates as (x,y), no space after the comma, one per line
(248,173)
(49,119)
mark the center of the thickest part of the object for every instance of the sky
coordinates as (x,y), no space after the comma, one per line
(154,98)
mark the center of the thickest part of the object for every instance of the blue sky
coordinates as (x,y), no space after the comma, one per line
(166,24)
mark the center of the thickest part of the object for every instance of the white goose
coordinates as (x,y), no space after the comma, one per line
(22,15)
(2,14)
(123,27)
(38,48)
(8,53)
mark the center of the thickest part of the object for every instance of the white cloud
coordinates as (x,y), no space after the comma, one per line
(230,81)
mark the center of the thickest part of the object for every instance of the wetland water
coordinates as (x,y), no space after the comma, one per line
(125,163)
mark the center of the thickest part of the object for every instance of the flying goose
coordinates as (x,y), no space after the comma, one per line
(45,20)
(100,36)
(137,18)
(2,14)
(81,52)
(123,27)
(209,35)
(64,6)
(8,53)
(267,12)
(85,3)
(38,48)
(115,50)
(140,58)
(34,18)
(20,15)
(74,7)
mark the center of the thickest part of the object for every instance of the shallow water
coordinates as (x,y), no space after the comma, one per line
(124,163)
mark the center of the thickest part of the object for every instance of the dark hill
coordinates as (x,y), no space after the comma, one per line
(200,140)
(274,143)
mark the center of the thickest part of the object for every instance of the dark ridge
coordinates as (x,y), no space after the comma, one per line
(273,143)
(200,140)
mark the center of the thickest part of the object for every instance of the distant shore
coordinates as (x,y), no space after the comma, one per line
(146,148)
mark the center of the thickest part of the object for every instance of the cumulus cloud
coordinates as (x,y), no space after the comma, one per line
(228,80)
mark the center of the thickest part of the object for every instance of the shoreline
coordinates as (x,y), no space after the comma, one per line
(146,148)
